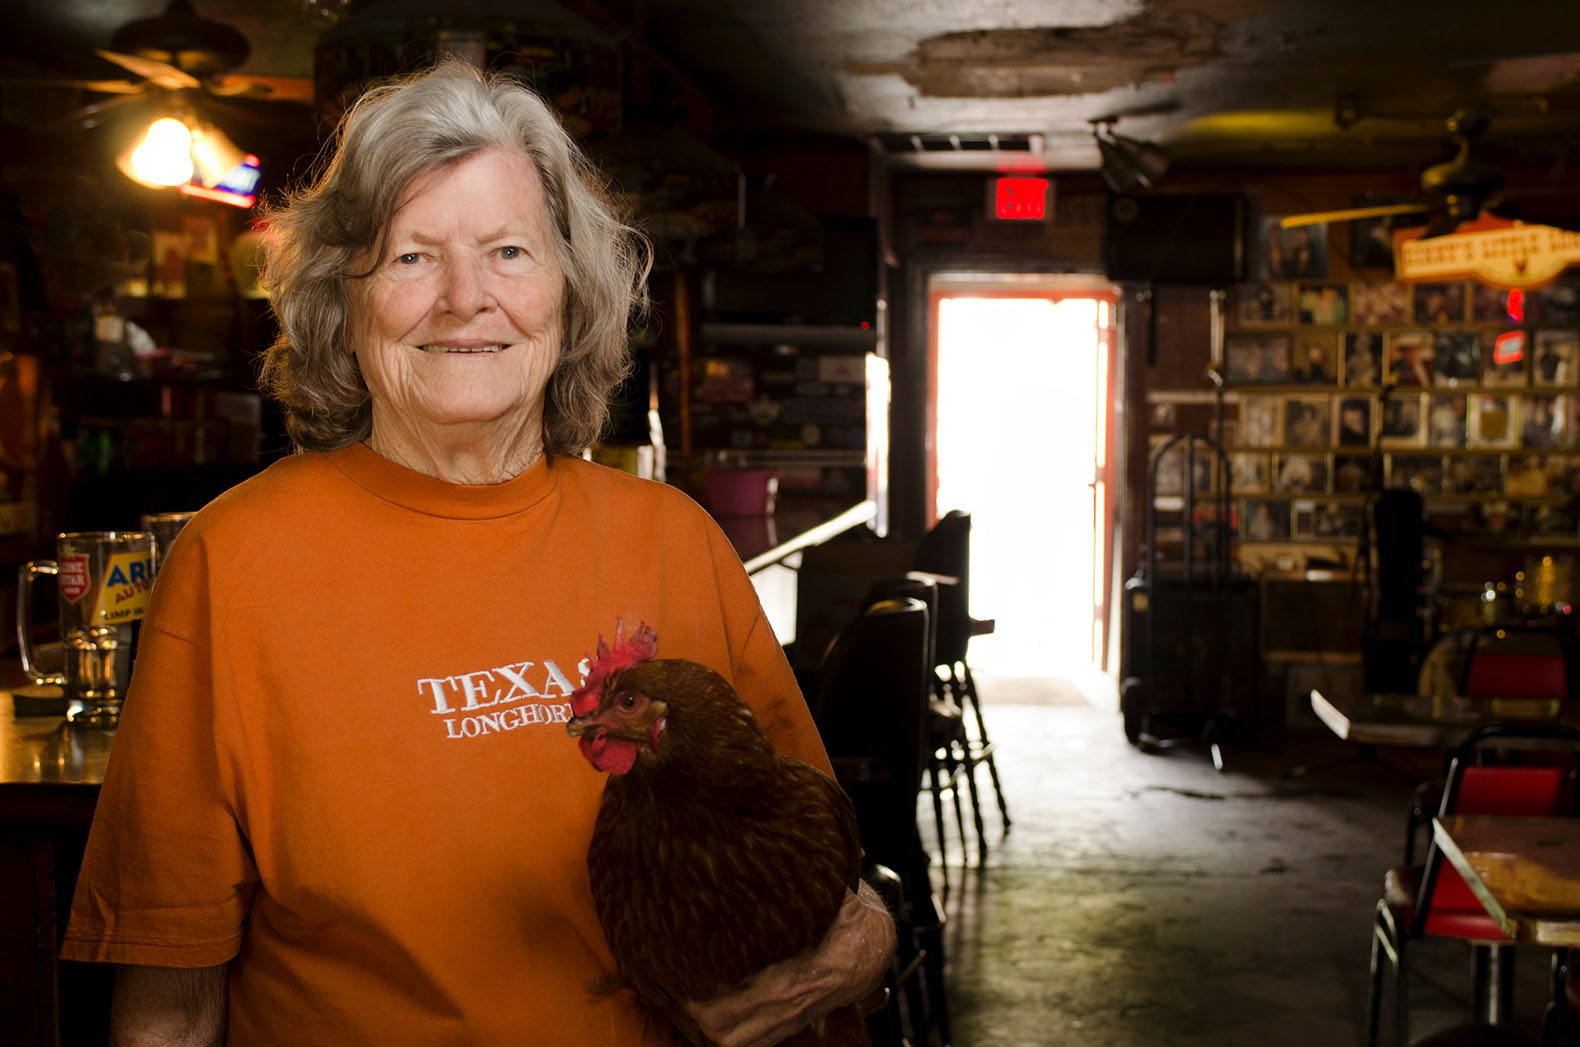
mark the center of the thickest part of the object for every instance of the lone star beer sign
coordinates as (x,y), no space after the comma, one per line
(1495,251)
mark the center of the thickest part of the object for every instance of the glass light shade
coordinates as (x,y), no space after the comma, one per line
(1128,164)
(213,154)
(164,157)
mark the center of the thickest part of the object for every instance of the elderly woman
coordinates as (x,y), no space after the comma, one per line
(342,807)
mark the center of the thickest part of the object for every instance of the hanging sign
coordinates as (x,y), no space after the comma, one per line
(1496,251)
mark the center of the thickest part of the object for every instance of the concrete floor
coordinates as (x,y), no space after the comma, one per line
(1148,899)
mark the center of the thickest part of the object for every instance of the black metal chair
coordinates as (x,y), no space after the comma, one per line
(870,703)
(944,554)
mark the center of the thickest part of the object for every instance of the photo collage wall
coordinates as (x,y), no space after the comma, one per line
(1465,393)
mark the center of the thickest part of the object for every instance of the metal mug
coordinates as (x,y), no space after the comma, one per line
(104,579)
(164,527)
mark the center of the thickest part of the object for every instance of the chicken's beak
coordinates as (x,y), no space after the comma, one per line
(577,726)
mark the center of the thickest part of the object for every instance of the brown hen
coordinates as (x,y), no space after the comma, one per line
(713,857)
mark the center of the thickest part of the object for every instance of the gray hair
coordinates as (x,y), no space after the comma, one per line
(394,134)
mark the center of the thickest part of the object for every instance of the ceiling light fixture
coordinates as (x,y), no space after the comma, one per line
(1128,164)
(195,156)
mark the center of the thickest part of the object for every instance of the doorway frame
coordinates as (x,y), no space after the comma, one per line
(1015,282)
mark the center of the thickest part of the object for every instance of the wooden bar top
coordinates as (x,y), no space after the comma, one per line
(762,541)
(1526,871)
(50,771)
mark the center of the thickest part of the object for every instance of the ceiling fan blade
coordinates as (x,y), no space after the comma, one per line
(273,88)
(1349,214)
(103,87)
(90,116)
(161,73)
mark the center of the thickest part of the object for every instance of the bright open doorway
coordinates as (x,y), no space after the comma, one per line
(1021,429)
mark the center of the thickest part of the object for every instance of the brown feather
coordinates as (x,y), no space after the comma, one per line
(714,857)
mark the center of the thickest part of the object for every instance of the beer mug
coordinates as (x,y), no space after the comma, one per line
(104,579)
(164,527)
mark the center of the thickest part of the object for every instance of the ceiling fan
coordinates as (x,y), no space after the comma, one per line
(1454,191)
(177,55)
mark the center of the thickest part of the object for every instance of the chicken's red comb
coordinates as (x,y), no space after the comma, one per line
(610,660)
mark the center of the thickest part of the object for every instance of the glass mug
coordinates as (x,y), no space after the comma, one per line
(164,527)
(104,579)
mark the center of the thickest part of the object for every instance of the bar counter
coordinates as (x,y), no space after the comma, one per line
(763,541)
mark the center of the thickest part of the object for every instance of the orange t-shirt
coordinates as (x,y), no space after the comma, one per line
(342,764)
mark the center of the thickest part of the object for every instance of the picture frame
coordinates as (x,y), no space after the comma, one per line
(1338,519)
(1456,357)
(1259,358)
(1401,423)
(1363,359)
(1322,304)
(1380,304)
(1473,474)
(1313,358)
(1264,303)
(1248,472)
(1308,421)
(1552,521)
(1353,421)
(1410,358)
(1440,303)
(1265,520)
(1301,474)
(1447,420)
(1526,476)
(1543,420)
(1302,525)
(1421,473)
(1352,473)
(1557,304)
(1261,421)
(1298,253)
(1494,419)
(1555,359)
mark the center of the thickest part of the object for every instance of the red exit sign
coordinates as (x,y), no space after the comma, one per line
(1021,198)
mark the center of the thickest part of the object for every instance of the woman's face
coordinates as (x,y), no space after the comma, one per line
(460,325)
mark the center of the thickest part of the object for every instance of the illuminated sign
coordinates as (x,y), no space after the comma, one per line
(1498,252)
(1021,198)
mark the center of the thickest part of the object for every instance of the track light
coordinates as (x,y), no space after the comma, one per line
(1128,164)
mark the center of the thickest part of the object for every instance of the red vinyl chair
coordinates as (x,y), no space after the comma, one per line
(1433,899)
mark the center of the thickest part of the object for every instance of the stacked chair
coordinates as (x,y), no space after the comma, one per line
(960,735)
(869,698)
(1432,899)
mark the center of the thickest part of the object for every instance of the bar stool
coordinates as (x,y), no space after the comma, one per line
(944,554)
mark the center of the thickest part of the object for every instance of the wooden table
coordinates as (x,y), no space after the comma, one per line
(1430,723)
(1526,871)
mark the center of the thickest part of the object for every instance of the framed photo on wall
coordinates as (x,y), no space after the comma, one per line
(1352,473)
(1313,360)
(1410,357)
(1401,421)
(1248,471)
(1265,520)
(1493,421)
(1542,421)
(1256,358)
(1352,421)
(1440,303)
(1265,303)
(1380,305)
(1307,421)
(1556,360)
(1473,474)
(1298,253)
(1363,359)
(1503,358)
(1301,474)
(1322,304)
(1422,473)
(1456,357)
(1447,420)
(1261,421)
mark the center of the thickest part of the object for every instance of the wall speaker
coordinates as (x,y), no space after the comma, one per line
(1178,238)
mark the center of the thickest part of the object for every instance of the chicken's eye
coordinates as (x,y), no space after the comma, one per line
(628,701)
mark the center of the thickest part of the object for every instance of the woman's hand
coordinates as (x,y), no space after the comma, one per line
(781,1000)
